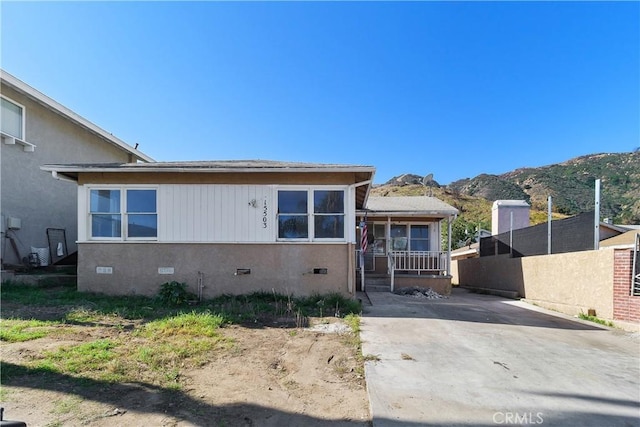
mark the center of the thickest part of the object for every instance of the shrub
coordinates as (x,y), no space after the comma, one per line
(174,293)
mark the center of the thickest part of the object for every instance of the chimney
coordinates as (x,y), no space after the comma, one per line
(501,212)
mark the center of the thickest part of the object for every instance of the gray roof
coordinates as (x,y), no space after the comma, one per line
(410,205)
(210,166)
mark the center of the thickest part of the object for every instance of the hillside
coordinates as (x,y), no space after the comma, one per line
(571,185)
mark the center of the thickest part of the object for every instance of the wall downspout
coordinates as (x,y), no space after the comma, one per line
(62,178)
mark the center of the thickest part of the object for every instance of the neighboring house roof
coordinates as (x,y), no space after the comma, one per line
(628,226)
(615,228)
(362,175)
(513,203)
(23,88)
(624,239)
(470,251)
(409,206)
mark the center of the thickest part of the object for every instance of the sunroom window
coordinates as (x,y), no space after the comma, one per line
(106,219)
(293,220)
(315,214)
(328,209)
(107,209)
(142,219)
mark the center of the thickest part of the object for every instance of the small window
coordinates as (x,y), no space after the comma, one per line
(12,118)
(419,238)
(380,240)
(106,212)
(293,221)
(398,237)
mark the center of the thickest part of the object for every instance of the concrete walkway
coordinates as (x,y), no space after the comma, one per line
(481,360)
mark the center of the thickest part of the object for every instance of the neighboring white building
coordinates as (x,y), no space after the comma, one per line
(36,130)
(503,212)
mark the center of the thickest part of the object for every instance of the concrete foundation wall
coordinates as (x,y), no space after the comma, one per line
(570,283)
(284,268)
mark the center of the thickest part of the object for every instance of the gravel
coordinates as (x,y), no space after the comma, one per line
(330,328)
(421,293)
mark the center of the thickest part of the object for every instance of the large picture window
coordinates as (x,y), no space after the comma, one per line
(107,208)
(311,214)
(12,118)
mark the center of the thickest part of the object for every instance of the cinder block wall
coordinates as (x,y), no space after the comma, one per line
(570,283)
(625,306)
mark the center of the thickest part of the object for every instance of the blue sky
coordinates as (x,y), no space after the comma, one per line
(450,88)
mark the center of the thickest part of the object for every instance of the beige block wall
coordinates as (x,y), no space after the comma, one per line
(570,283)
(284,268)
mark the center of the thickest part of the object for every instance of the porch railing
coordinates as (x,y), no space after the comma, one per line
(433,262)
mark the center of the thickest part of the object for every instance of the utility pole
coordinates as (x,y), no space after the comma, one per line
(596,219)
(549,225)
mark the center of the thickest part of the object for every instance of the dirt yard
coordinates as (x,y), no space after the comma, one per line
(269,376)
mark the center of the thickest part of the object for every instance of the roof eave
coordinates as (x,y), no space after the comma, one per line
(430,213)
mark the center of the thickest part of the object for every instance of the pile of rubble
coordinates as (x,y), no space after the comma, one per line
(422,293)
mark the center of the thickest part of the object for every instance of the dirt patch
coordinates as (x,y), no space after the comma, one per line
(270,376)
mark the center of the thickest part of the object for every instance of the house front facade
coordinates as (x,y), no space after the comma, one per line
(227,227)
(36,130)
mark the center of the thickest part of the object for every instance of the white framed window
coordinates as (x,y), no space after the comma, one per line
(419,237)
(123,214)
(316,214)
(12,121)
(410,237)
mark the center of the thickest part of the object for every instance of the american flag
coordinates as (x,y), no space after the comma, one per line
(363,237)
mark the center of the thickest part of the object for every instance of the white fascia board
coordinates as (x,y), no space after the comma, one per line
(134,169)
(430,214)
(44,100)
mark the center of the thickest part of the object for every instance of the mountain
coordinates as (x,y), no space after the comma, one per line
(571,185)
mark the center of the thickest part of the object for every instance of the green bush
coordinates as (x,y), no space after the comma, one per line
(174,293)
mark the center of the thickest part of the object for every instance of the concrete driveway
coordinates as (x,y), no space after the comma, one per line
(480,360)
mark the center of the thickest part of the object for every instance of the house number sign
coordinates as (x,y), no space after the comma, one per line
(265,211)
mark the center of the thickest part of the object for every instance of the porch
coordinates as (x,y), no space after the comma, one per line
(424,269)
(403,245)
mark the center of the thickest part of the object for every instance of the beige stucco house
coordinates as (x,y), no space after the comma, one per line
(234,227)
(37,130)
